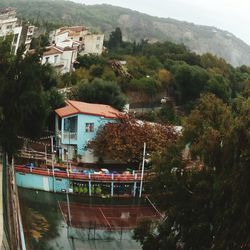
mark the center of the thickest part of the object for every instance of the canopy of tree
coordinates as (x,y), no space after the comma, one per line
(206,204)
(124,140)
(24,90)
(99,91)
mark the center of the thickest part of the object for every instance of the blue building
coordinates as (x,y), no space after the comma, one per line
(77,124)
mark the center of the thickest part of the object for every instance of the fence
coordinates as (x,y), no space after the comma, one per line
(12,223)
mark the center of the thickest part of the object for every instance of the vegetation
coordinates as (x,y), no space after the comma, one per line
(203,195)
(25,96)
(202,176)
(124,140)
(135,26)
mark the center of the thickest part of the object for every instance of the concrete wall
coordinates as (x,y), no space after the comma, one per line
(84,137)
(93,44)
(40,182)
(51,59)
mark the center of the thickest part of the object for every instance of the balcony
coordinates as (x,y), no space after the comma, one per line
(69,136)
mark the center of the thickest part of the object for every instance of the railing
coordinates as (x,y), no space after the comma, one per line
(69,135)
(13,227)
(83,177)
(35,155)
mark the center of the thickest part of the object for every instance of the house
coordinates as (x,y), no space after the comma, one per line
(9,26)
(77,124)
(89,43)
(60,58)
(22,32)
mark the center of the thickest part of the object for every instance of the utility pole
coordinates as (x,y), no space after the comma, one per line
(52,158)
(142,170)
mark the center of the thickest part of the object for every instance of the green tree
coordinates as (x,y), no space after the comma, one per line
(115,39)
(218,85)
(205,208)
(22,96)
(190,82)
(99,91)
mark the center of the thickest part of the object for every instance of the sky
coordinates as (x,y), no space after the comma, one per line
(230,15)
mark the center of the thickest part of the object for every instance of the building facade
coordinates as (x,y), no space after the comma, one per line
(61,58)
(22,32)
(77,124)
(89,43)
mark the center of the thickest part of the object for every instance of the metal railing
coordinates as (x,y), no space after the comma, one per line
(69,135)
(84,177)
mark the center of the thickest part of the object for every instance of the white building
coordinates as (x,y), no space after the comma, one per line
(9,25)
(89,43)
(60,58)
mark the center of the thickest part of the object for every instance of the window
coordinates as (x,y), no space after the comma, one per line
(97,46)
(55,59)
(98,38)
(46,59)
(9,27)
(80,39)
(89,127)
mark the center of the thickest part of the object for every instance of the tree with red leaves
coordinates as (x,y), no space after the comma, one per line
(124,140)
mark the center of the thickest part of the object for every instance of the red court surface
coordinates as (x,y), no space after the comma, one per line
(106,217)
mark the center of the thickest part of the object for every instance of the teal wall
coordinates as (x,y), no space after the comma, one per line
(40,182)
(82,136)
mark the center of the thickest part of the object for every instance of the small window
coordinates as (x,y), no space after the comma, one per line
(80,39)
(98,38)
(55,59)
(9,27)
(97,46)
(46,59)
(89,127)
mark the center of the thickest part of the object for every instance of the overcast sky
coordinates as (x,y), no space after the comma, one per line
(230,15)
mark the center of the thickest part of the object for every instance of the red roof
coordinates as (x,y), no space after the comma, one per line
(76,107)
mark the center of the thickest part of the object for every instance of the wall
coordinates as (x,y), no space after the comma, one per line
(52,59)
(39,182)
(84,137)
(93,45)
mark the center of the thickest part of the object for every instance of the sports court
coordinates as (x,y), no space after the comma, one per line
(113,217)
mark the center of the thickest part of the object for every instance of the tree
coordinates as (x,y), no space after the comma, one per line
(124,140)
(219,86)
(190,82)
(22,96)
(99,91)
(207,130)
(205,208)
(115,39)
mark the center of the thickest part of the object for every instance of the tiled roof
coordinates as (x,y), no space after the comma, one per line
(52,50)
(66,111)
(76,107)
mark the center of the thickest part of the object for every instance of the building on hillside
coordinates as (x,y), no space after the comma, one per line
(77,124)
(62,59)
(90,43)
(22,32)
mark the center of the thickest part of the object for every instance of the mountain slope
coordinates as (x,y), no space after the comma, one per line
(135,26)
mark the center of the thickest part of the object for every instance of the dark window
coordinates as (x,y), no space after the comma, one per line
(89,127)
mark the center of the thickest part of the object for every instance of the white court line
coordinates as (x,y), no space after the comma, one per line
(104,217)
(62,213)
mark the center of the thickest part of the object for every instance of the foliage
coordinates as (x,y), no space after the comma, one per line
(124,140)
(190,82)
(115,39)
(99,91)
(206,205)
(207,130)
(24,81)
(86,61)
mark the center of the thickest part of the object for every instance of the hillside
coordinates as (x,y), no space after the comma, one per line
(135,26)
